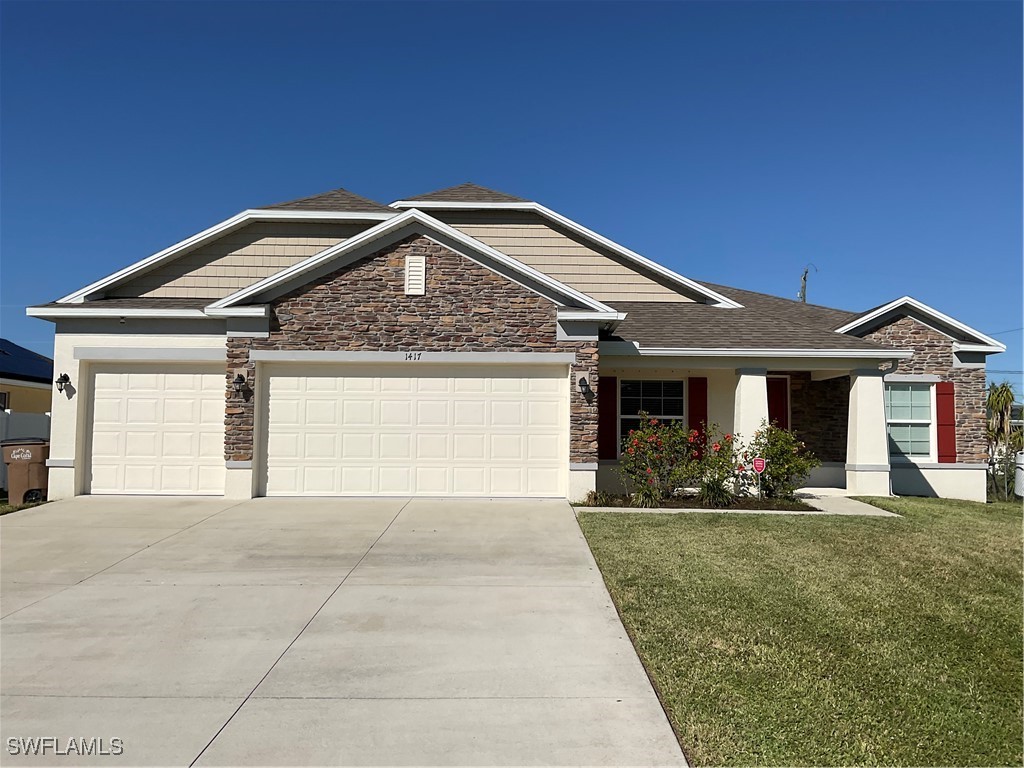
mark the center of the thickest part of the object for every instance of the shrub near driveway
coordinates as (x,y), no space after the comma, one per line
(828,641)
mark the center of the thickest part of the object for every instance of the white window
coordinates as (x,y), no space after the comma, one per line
(909,415)
(662,400)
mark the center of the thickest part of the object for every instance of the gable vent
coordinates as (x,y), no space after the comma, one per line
(415,274)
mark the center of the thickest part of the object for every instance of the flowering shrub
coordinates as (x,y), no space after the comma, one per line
(654,461)
(787,462)
(714,471)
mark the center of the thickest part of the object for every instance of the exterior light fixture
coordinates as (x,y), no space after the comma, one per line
(62,381)
(584,385)
(238,383)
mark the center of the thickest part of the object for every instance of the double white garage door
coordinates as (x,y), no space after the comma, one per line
(338,430)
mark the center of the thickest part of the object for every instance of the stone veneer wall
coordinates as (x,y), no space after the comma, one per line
(363,307)
(819,413)
(933,354)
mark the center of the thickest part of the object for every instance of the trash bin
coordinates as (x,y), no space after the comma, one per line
(26,458)
(1018,476)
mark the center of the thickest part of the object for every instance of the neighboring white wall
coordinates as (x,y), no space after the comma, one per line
(70,408)
(14,424)
(952,481)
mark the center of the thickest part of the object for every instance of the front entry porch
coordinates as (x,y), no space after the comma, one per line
(836,405)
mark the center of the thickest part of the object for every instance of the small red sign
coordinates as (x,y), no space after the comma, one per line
(758,465)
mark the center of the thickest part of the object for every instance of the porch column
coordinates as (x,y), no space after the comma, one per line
(751,403)
(867,444)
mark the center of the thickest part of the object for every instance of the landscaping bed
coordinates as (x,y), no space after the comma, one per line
(692,502)
(814,640)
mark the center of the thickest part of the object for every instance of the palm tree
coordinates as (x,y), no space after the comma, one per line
(999,405)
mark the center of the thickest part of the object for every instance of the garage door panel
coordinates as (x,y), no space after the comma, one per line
(157,430)
(431,434)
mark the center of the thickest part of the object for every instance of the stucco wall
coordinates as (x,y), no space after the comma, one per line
(933,354)
(27,399)
(363,307)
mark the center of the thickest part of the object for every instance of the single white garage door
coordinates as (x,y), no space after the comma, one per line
(417,430)
(157,429)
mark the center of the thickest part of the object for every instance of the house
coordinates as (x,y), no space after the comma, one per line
(467,342)
(26,379)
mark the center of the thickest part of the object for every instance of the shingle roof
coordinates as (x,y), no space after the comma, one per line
(335,200)
(468,193)
(16,362)
(815,314)
(703,326)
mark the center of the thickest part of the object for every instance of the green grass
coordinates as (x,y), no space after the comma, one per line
(5,507)
(779,640)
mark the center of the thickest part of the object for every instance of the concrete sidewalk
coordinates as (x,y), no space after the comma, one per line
(315,631)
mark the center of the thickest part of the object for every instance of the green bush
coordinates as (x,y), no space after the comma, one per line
(714,466)
(787,462)
(654,461)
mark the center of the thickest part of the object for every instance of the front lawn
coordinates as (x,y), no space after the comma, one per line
(828,640)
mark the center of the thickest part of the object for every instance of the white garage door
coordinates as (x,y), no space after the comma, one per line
(157,429)
(432,431)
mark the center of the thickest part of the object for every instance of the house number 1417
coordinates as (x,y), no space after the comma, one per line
(413,355)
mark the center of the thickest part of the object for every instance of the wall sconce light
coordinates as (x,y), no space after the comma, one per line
(238,383)
(584,384)
(62,381)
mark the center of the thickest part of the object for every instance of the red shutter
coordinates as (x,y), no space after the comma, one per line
(698,402)
(607,417)
(945,420)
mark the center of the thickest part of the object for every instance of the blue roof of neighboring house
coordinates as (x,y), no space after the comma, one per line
(19,363)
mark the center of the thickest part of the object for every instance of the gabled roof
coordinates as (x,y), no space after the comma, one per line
(468,193)
(334,200)
(685,283)
(968,339)
(208,235)
(397,228)
(16,362)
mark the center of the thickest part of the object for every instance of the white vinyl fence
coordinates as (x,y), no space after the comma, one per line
(21,425)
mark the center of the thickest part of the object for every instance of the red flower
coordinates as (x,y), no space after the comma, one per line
(740,468)
(629,451)
(691,438)
(728,438)
(654,422)
(716,447)
(694,454)
(648,470)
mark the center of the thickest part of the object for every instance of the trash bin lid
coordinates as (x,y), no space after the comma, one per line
(25,441)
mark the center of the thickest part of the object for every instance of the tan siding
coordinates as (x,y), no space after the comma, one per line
(238,259)
(532,240)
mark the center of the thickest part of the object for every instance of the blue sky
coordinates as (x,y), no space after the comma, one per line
(733,142)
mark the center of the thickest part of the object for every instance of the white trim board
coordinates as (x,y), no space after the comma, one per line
(412,357)
(578,229)
(208,235)
(986,343)
(394,228)
(630,348)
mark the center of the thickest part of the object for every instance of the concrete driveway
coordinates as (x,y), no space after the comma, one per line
(317,632)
